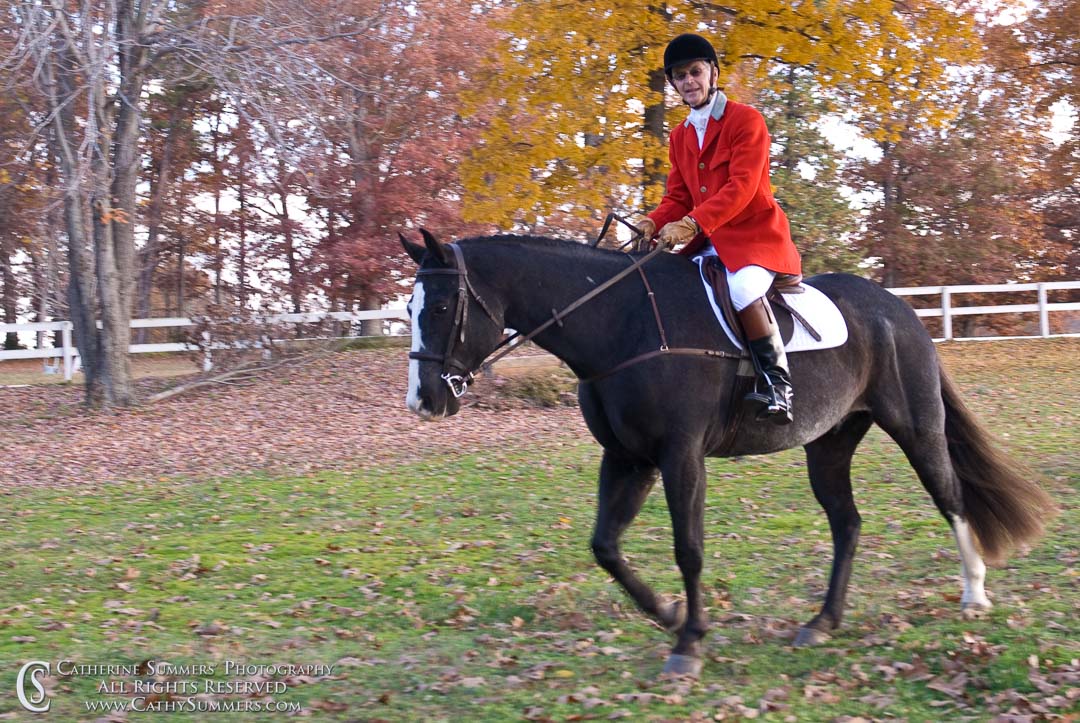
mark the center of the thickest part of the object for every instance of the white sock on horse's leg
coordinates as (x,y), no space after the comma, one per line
(971,565)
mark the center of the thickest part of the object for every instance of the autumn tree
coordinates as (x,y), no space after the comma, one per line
(581,102)
(1041,56)
(395,135)
(90,63)
(17,217)
(807,174)
(958,178)
(959,211)
(170,146)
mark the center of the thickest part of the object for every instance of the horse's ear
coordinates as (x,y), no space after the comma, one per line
(435,248)
(415,251)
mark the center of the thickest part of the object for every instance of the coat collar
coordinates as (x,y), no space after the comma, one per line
(719,104)
(712,130)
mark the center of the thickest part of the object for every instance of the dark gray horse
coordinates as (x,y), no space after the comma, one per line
(667,411)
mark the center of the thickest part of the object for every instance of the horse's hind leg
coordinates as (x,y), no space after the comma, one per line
(919,430)
(829,463)
(624,487)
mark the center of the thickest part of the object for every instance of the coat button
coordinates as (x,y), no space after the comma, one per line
(701,166)
(704,189)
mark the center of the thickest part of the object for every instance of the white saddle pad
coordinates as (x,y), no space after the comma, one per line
(818,310)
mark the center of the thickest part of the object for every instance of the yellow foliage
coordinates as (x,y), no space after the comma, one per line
(571,83)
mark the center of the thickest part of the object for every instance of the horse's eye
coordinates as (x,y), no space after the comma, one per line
(441,309)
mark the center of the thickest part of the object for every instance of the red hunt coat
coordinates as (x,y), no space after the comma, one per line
(725,187)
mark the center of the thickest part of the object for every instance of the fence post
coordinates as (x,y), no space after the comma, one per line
(65,336)
(946,312)
(1044,313)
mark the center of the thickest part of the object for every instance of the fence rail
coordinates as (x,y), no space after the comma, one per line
(949,309)
(67,354)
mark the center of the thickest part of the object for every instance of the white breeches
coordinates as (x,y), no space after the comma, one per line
(746,285)
(749,284)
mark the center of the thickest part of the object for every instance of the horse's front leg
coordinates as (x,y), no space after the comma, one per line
(684,487)
(624,487)
(829,463)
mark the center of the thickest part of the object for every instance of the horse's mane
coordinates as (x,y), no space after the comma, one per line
(573,249)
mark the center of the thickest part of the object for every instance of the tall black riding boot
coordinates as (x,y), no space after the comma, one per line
(767,350)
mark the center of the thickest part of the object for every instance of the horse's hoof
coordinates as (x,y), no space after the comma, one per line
(974,611)
(683,666)
(809,637)
(672,615)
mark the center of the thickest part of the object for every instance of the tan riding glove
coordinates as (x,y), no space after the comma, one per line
(647,228)
(679,232)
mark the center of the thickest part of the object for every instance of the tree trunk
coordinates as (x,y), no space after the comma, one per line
(241,193)
(59,74)
(101,283)
(333,287)
(655,172)
(180,275)
(219,263)
(241,260)
(116,272)
(371,327)
(295,283)
(43,260)
(49,301)
(150,255)
(10,294)
(362,202)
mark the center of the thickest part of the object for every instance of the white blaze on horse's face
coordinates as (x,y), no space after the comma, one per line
(416,304)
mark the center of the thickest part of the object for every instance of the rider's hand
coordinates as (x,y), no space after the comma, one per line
(679,232)
(647,227)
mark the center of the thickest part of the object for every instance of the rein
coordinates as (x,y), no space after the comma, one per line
(459,383)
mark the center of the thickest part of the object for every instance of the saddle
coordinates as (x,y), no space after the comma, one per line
(716,274)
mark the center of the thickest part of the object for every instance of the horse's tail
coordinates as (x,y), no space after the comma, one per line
(1003,501)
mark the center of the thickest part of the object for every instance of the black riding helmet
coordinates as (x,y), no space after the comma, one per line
(687,48)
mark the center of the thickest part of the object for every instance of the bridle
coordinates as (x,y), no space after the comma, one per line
(459,383)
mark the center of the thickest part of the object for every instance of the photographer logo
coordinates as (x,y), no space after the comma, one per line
(35,702)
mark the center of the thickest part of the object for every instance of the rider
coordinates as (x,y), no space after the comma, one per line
(718,191)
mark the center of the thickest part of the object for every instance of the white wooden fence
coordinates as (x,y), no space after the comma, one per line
(949,309)
(66,356)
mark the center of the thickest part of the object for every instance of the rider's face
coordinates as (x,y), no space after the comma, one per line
(693,81)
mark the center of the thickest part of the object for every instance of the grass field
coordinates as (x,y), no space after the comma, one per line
(463,589)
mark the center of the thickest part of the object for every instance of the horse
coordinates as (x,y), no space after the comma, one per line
(660,403)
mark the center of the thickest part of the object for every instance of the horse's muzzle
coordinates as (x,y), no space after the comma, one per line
(431,408)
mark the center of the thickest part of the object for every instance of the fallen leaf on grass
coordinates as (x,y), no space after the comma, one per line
(953,688)
(473,682)
(534,713)
(210,629)
(820,693)
(330,706)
